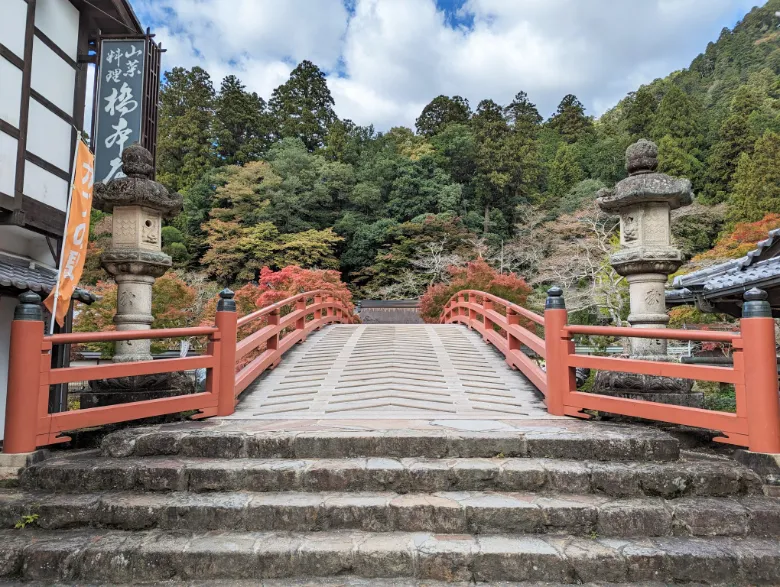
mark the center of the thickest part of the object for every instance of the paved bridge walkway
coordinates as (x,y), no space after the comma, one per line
(388,372)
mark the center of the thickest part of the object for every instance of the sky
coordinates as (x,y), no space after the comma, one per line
(386,59)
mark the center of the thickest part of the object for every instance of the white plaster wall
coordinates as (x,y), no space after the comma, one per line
(7,305)
(8,146)
(10,92)
(59,20)
(48,136)
(52,77)
(13,19)
(45,187)
(18,241)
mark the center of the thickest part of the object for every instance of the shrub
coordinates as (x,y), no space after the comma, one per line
(477,275)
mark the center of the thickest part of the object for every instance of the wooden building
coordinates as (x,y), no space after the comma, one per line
(46,47)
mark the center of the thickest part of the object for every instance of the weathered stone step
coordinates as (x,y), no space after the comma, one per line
(555,440)
(619,479)
(116,557)
(443,512)
(341,581)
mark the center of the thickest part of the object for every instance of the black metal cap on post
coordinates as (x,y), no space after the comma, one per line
(555,299)
(226,302)
(756,304)
(29,307)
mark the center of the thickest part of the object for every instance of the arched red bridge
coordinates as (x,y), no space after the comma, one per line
(345,370)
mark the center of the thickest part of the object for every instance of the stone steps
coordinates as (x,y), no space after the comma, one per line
(90,472)
(221,502)
(442,512)
(558,439)
(117,557)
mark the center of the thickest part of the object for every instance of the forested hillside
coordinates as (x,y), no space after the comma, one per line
(281,180)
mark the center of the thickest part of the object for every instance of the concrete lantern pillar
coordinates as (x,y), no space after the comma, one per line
(139,205)
(644,201)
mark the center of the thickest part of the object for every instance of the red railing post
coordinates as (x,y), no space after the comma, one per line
(559,375)
(487,323)
(226,322)
(318,311)
(272,343)
(761,387)
(331,311)
(300,323)
(512,319)
(21,409)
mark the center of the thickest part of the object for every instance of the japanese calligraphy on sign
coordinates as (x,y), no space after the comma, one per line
(118,104)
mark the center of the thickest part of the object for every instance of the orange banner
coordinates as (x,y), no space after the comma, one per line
(74,247)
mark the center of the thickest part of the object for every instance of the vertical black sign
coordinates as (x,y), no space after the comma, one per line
(119,103)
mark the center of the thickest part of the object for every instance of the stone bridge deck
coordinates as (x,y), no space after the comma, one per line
(392,372)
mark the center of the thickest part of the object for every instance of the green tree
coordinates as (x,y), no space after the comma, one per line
(499,163)
(570,120)
(240,123)
(565,172)
(440,112)
(640,108)
(302,107)
(735,136)
(184,145)
(677,129)
(522,114)
(678,117)
(757,182)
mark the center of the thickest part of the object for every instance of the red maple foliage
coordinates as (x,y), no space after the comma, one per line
(477,275)
(741,240)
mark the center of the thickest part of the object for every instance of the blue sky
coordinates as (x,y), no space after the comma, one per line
(386,59)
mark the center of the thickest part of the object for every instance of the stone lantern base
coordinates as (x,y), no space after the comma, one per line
(651,388)
(109,392)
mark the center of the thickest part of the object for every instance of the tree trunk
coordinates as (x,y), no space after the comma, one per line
(486,225)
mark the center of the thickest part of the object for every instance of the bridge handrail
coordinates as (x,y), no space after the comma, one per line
(115,335)
(755,424)
(279,305)
(664,333)
(29,424)
(461,308)
(524,312)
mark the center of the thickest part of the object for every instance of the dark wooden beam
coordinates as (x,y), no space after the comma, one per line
(12,57)
(9,129)
(51,106)
(24,111)
(43,218)
(54,47)
(80,93)
(53,169)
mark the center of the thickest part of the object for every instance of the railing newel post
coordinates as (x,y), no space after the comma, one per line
(757,329)
(512,319)
(559,376)
(331,310)
(318,311)
(24,377)
(300,323)
(487,323)
(226,321)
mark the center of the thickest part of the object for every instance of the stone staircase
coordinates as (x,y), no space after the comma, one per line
(557,503)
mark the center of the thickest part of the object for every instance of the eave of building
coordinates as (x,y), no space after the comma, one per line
(110,17)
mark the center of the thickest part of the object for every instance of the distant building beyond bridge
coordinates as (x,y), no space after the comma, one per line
(389,312)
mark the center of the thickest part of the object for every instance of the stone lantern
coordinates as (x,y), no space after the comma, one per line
(139,205)
(646,257)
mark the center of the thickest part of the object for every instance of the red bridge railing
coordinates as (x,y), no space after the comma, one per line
(29,424)
(511,329)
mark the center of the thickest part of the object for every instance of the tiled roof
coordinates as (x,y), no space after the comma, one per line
(24,275)
(765,250)
(744,276)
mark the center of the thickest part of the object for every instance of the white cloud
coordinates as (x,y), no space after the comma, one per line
(387,58)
